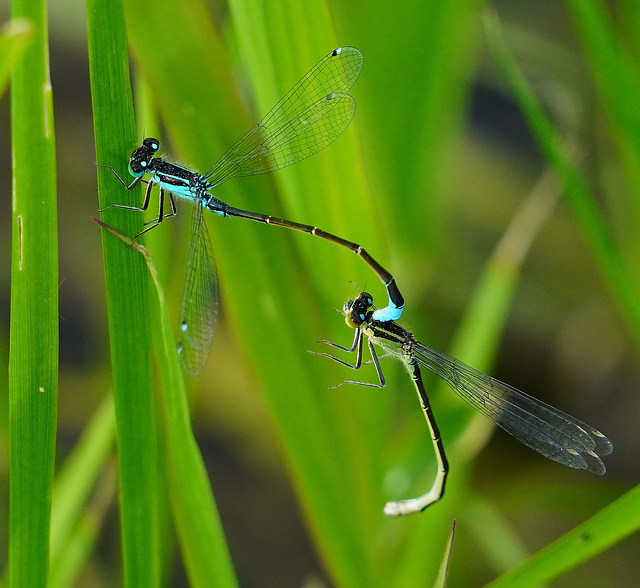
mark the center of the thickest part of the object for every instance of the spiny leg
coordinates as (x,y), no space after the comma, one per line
(147,197)
(161,216)
(133,184)
(357,343)
(115,173)
(356,340)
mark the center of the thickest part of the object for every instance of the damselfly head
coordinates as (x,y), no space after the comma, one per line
(359,310)
(140,158)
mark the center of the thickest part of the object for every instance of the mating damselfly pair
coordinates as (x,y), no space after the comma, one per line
(307,119)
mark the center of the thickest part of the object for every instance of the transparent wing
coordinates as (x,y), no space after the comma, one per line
(311,115)
(549,431)
(199,312)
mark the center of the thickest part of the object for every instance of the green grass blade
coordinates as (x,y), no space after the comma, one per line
(76,480)
(488,310)
(15,37)
(268,313)
(200,532)
(411,108)
(615,73)
(33,352)
(126,284)
(79,546)
(201,537)
(582,201)
(80,541)
(443,572)
(278,46)
(500,544)
(612,524)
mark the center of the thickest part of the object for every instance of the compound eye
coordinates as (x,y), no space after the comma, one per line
(137,168)
(151,145)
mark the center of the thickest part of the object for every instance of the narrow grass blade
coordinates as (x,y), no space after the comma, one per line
(612,524)
(443,572)
(500,544)
(316,425)
(126,283)
(200,532)
(33,352)
(605,250)
(15,37)
(76,480)
(81,539)
(615,71)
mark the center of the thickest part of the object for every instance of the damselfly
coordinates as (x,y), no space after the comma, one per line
(307,119)
(550,432)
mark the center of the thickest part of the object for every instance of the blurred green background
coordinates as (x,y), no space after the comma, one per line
(446,160)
